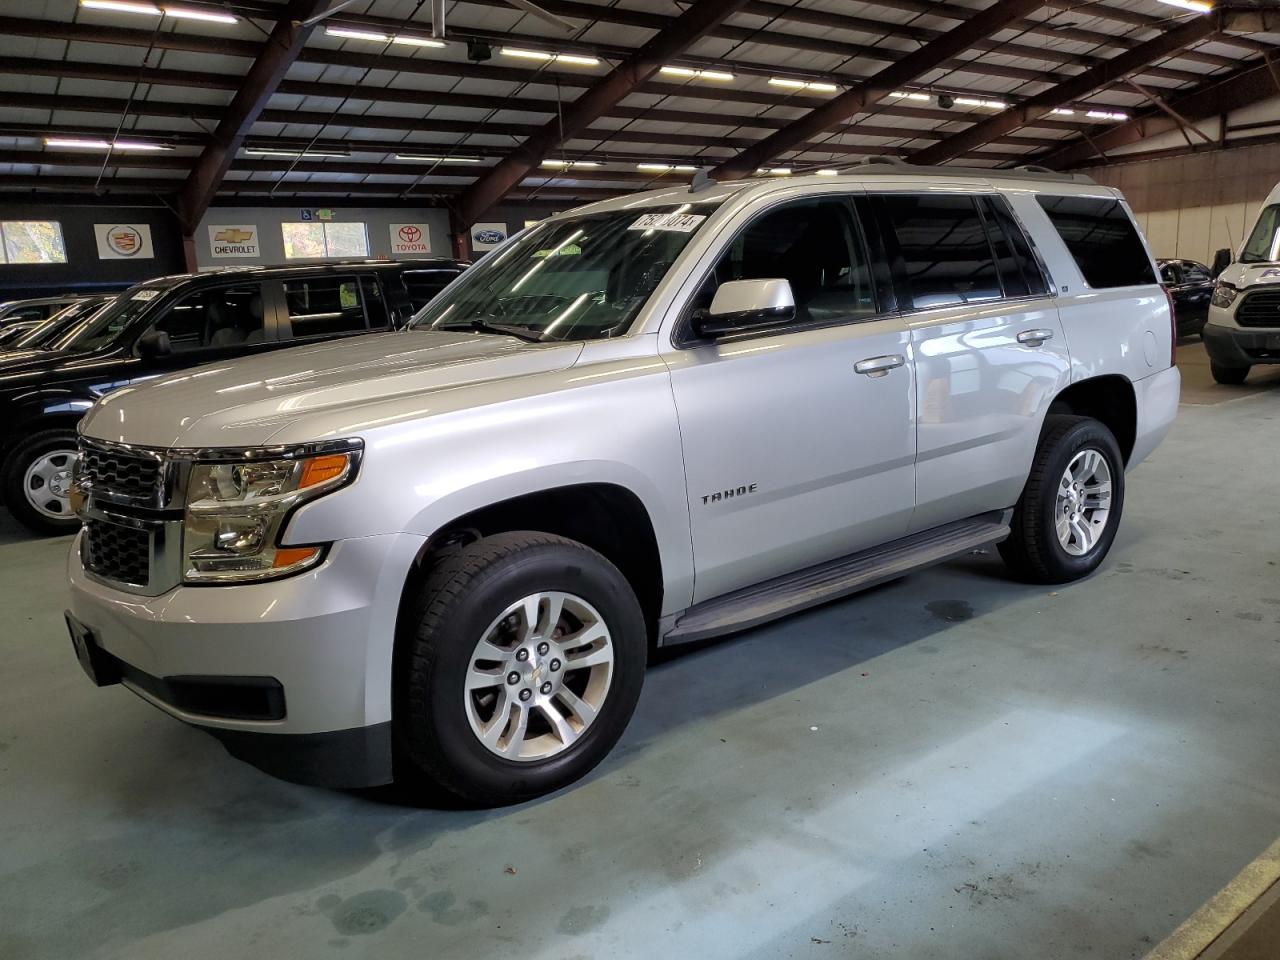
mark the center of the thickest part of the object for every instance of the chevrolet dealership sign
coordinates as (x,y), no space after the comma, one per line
(233,240)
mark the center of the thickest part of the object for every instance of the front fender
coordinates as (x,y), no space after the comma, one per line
(420,475)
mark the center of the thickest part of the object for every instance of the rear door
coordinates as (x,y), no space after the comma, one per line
(325,306)
(989,350)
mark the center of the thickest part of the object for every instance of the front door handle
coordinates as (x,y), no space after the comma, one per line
(1033,338)
(879,366)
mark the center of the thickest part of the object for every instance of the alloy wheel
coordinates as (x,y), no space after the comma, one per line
(539,676)
(1084,502)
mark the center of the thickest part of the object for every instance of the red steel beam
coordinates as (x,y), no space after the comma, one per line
(595,103)
(1111,71)
(279,52)
(853,101)
(1250,85)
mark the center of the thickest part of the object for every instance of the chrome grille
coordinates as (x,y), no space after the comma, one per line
(115,552)
(118,474)
(1259,309)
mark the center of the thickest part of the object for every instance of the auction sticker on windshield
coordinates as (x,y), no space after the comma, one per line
(680,222)
(145,295)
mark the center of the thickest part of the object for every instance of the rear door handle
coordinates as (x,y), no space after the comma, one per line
(879,366)
(1033,338)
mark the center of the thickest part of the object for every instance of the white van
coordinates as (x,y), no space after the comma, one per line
(1244,315)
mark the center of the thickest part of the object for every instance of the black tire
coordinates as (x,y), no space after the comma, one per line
(1229,375)
(461,597)
(1033,551)
(12,475)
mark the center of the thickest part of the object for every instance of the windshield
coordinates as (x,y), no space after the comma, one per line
(581,278)
(1263,245)
(102,329)
(43,336)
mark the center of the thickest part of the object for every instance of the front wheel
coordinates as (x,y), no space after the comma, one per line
(523,667)
(1066,519)
(36,481)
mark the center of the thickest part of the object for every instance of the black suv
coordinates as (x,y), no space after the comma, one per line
(173,323)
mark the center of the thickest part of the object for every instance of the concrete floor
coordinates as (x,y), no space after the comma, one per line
(950,766)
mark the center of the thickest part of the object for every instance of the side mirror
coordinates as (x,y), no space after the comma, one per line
(743,305)
(154,343)
(1221,260)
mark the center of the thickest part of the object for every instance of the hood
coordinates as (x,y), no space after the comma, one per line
(246,402)
(18,366)
(1242,275)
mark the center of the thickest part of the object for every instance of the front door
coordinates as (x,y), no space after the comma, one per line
(792,456)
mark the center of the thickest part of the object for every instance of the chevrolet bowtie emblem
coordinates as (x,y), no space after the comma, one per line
(232,235)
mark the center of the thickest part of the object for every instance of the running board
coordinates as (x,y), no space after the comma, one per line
(834,579)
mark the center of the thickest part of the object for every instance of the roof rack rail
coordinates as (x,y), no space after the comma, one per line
(1026,171)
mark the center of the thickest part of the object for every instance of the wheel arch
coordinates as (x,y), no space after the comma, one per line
(1110,399)
(607,517)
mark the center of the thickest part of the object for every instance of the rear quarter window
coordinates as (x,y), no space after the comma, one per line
(1102,239)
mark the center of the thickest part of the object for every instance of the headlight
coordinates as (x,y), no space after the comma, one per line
(1224,294)
(236,511)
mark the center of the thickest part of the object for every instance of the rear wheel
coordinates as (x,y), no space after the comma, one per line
(523,667)
(1229,375)
(36,481)
(1066,519)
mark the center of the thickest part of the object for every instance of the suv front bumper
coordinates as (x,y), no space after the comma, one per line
(1238,347)
(293,676)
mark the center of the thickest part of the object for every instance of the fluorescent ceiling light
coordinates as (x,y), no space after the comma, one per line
(562,164)
(349,34)
(666,167)
(976,102)
(192,13)
(1106,115)
(548,55)
(82,143)
(1063,112)
(1199,6)
(828,173)
(911,95)
(284,152)
(775,171)
(691,74)
(437,159)
(122,6)
(419,42)
(791,84)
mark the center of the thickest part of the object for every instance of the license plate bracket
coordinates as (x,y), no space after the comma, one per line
(98,665)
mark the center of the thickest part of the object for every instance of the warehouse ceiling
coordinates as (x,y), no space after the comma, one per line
(249,100)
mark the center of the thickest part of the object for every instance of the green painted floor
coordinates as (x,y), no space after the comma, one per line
(951,766)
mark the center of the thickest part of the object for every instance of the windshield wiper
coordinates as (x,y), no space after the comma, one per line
(502,329)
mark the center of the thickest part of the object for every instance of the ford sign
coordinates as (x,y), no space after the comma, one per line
(489,236)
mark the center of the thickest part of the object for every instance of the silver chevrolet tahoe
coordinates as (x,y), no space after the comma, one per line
(446,552)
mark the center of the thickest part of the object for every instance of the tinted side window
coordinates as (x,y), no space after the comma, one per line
(220,317)
(943,249)
(816,246)
(320,306)
(1193,272)
(1102,239)
(1032,277)
(423,285)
